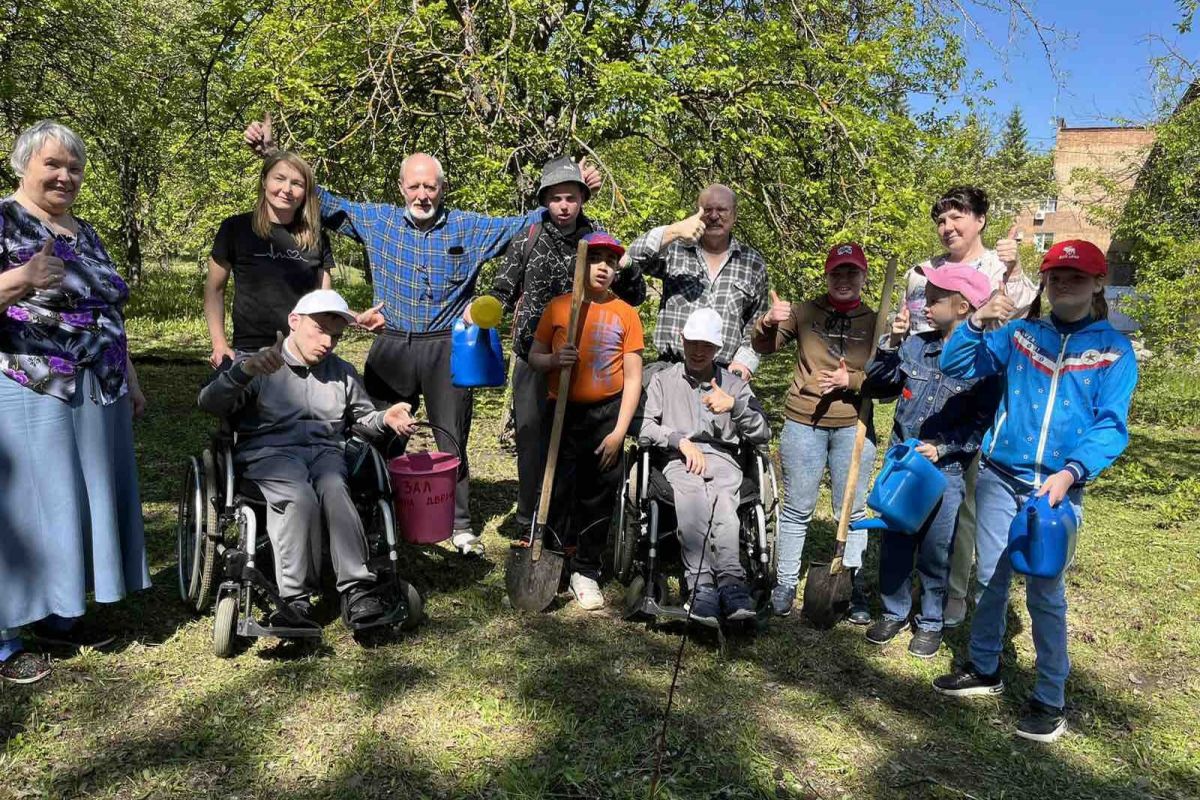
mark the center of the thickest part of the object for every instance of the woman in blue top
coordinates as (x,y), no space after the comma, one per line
(1068,382)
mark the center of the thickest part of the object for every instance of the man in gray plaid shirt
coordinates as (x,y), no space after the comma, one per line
(701,264)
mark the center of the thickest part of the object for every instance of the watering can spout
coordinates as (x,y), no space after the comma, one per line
(872,524)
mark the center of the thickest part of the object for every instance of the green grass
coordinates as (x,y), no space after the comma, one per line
(483,702)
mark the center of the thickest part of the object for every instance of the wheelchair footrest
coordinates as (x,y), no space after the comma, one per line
(251,627)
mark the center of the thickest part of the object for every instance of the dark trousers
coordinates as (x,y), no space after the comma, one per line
(584,496)
(529,416)
(409,367)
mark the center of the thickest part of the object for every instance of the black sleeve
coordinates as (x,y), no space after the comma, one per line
(326,251)
(509,281)
(223,245)
(630,286)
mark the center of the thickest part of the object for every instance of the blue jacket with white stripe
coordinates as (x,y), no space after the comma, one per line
(1066,395)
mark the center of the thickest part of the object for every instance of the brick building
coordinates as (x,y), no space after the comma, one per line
(1093,168)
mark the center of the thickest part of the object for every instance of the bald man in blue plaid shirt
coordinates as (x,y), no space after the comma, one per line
(424,260)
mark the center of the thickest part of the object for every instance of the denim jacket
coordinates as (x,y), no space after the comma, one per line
(933,407)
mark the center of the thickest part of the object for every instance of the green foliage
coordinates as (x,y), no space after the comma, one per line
(1168,393)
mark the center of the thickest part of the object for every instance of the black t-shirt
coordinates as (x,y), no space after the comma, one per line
(269,277)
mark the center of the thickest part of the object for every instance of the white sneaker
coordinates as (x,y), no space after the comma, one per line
(955,612)
(586,592)
(467,543)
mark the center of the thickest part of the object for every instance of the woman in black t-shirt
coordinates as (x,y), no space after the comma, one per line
(276,253)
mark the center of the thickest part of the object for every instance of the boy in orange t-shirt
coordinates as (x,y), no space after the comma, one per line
(605,387)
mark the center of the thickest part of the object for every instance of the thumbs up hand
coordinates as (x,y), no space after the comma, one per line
(718,401)
(372,319)
(591,175)
(998,309)
(834,380)
(258,136)
(1006,251)
(780,311)
(44,271)
(690,228)
(900,325)
(267,360)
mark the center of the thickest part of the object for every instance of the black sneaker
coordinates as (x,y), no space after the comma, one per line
(859,615)
(301,606)
(965,681)
(884,630)
(925,644)
(736,604)
(1040,722)
(362,607)
(24,668)
(704,605)
(782,600)
(81,634)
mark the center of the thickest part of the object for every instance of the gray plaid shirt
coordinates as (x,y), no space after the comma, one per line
(739,293)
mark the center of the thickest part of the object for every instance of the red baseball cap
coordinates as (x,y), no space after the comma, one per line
(602,241)
(1076,254)
(962,278)
(848,253)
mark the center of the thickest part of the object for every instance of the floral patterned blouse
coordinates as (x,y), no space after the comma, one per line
(48,336)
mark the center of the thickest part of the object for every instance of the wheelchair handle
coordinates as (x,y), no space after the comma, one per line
(458,452)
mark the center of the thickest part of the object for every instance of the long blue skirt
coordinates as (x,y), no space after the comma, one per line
(70,513)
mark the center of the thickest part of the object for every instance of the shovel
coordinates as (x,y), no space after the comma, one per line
(533,574)
(828,586)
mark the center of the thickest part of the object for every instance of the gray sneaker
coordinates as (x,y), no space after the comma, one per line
(955,612)
(782,600)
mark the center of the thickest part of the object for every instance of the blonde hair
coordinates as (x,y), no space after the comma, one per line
(306,225)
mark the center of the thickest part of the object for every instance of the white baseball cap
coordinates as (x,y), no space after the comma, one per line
(703,325)
(324,301)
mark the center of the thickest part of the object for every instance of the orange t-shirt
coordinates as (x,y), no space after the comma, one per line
(607,332)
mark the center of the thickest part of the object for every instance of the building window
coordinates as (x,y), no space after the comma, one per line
(1042,240)
(1049,205)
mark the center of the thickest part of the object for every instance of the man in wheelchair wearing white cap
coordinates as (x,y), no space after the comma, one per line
(700,414)
(295,403)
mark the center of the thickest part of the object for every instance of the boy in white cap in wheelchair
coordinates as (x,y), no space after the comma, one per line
(700,414)
(296,402)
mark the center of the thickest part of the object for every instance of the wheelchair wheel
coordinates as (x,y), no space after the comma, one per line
(189,533)
(212,529)
(416,606)
(225,624)
(625,536)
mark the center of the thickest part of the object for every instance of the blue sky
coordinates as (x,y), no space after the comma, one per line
(1104,60)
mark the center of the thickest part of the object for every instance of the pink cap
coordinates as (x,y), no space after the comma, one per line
(962,278)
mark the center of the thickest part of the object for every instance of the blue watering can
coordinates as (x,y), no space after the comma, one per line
(1040,537)
(475,357)
(906,491)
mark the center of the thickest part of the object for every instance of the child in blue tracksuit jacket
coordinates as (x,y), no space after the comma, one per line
(948,415)
(1062,420)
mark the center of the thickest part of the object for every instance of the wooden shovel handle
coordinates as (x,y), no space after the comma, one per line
(864,414)
(564,388)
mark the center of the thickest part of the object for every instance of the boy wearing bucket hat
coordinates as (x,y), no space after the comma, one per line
(606,382)
(295,402)
(538,266)
(1068,377)
(948,416)
(700,414)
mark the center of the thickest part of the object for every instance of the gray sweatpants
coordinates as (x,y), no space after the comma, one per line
(302,485)
(706,503)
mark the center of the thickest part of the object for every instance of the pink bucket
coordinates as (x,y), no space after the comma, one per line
(423,495)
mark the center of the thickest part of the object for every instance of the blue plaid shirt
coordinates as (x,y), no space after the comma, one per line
(424,278)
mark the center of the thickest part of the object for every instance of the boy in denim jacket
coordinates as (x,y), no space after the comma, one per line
(948,416)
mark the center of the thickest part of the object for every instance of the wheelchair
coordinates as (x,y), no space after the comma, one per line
(646,542)
(223,550)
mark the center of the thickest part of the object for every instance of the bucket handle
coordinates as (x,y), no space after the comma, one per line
(462,463)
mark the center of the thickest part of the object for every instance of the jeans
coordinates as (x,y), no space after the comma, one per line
(804,452)
(997,499)
(931,545)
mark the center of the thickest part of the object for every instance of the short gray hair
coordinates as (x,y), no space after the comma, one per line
(441,173)
(34,138)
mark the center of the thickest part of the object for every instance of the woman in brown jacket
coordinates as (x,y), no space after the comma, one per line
(833,343)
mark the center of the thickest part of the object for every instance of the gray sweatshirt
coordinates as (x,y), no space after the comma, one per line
(674,410)
(295,405)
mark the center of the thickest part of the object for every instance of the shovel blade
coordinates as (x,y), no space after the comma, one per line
(826,596)
(532,585)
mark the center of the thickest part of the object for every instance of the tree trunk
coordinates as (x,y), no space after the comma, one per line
(130,228)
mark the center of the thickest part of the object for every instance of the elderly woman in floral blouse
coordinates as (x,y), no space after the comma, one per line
(70,515)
